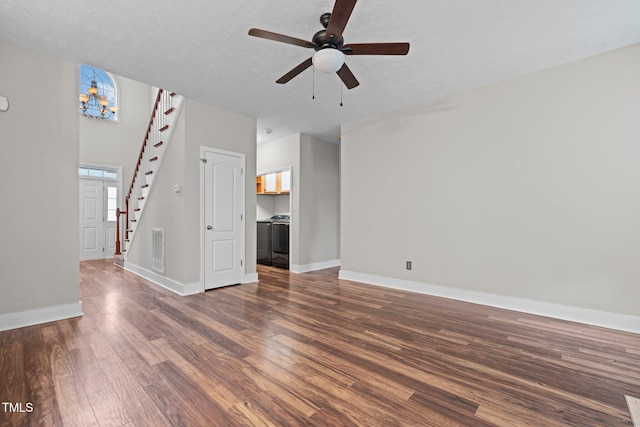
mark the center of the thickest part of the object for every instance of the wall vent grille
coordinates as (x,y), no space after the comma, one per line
(157,250)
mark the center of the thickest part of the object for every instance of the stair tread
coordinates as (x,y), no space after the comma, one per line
(160,125)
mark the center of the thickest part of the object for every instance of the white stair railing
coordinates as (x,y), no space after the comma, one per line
(159,130)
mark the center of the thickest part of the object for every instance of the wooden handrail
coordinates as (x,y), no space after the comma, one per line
(144,143)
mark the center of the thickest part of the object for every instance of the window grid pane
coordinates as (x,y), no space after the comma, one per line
(99,173)
(112,203)
(105,86)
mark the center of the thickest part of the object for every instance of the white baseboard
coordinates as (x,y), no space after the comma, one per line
(621,322)
(634,409)
(170,284)
(250,278)
(192,289)
(175,286)
(305,268)
(40,315)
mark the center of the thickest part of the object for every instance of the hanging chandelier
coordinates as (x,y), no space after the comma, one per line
(95,103)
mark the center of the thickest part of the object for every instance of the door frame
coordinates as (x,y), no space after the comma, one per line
(293,220)
(203,151)
(106,181)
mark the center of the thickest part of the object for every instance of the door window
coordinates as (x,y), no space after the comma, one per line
(112,203)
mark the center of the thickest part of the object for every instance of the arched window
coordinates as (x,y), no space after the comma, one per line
(98,93)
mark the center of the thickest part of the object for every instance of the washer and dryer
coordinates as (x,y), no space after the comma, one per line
(273,241)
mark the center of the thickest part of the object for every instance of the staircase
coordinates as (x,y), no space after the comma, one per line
(163,117)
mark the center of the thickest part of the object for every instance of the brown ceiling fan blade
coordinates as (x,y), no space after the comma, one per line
(347,77)
(376,49)
(263,34)
(339,17)
(297,70)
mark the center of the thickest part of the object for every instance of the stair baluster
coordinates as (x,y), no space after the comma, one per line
(153,146)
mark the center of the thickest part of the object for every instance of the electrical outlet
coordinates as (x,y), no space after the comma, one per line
(408,265)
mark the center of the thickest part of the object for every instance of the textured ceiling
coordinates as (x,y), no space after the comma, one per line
(200,48)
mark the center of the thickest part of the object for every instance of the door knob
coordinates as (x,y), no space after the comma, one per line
(209,227)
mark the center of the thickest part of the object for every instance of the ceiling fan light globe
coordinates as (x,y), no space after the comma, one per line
(328,60)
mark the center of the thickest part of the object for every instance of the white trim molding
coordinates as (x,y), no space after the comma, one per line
(250,278)
(181,289)
(634,409)
(314,266)
(40,315)
(621,322)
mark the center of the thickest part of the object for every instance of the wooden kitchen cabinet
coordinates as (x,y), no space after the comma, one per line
(260,183)
(274,183)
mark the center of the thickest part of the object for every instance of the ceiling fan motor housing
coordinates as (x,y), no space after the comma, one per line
(323,41)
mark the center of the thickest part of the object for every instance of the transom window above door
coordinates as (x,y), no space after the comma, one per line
(97,93)
(98,172)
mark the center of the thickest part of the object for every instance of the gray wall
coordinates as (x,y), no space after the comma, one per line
(319,200)
(268,205)
(179,213)
(528,188)
(39,175)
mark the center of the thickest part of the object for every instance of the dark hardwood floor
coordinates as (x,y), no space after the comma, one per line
(309,349)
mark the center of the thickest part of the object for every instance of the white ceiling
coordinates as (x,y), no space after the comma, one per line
(200,49)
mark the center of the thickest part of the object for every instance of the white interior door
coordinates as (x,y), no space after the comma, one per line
(223,198)
(92,232)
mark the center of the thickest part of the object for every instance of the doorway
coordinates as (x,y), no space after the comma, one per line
(222,198)
(100,190)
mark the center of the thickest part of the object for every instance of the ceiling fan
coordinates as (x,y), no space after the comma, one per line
(329,46)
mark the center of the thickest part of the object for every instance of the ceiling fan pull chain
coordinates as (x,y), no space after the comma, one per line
(340,83)
(313,96)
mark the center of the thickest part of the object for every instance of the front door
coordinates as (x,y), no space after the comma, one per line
(92,234)
(223,194)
